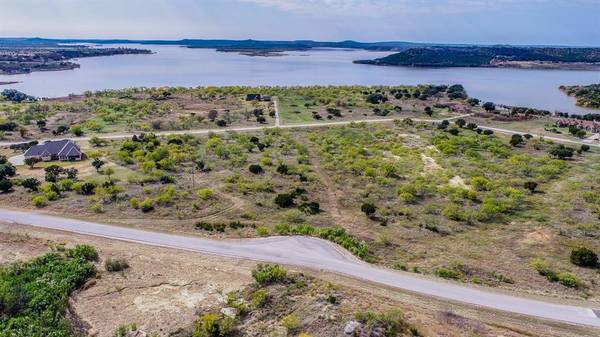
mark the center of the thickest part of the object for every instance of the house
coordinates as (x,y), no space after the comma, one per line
(253,97)
(55,150)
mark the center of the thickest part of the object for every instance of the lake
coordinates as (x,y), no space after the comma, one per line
(178,66)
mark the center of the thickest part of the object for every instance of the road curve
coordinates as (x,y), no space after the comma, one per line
(315,254)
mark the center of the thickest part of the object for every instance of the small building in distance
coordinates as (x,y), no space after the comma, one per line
(258,97)
(64,150)
(253,97)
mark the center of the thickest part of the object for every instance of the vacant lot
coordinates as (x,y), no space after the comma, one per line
(442,200)
(164,292)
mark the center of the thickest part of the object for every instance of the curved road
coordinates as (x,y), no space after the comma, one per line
(315,254)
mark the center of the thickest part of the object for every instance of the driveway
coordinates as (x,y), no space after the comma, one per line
(17,160)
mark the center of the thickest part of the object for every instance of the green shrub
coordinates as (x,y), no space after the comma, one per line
(259,298)
(584,257)
(390,324)
(96,208)
(85,252)
(34,295)
(265,274)
(134,202)
(147,205)
(205,193)
(568,280)
(291,322)
(448,273)
(113,265)
(213,325)
(39,201)
(542,268)
(262,231)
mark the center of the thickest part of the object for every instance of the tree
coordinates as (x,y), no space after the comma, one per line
(489,106)
(41,124)
(585,148)
(52,173)
(284,200)
(255,168)
(530,185)
(7,170)
(516,140)
(97,163)
(368,208)
(77,130)
(584,257)
(428,111)
(562,152)
(212,115)
(31,184)
(461,122)
(16,96)
(376,98)
(5,185)
(31,161)
(88,188)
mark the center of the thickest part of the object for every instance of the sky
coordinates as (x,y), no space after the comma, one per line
(540,22)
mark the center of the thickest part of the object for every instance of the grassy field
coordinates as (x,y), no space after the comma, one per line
(454,202)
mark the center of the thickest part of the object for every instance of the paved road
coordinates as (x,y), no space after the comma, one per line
(315,254)
(237,129)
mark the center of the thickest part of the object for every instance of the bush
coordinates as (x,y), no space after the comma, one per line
(568,280)
(97,208)
(255,169)
(530,185)
(260,298)
(368,208)
(291,322)
(265,274)
(516,140)
(542,268)
(5,185)
(113,265)
(562,152)
(205,193)
(34,295)
(147,205)
(448,273)
(38,201)
(262,231)
(389,324)
(85,252)
(310,207)
(284,200)
(584,257)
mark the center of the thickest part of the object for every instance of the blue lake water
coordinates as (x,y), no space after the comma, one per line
(177,66)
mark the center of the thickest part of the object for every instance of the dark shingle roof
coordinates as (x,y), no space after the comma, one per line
(54,148)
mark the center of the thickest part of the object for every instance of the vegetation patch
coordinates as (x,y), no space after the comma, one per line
(34,295)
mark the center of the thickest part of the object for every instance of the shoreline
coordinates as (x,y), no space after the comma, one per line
(9,82)
(509,65)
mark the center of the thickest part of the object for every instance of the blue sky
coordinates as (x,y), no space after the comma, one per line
(566,22)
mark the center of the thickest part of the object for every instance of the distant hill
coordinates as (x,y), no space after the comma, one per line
(495,56)
(221,44)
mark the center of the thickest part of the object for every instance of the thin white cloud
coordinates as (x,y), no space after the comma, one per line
(388,7)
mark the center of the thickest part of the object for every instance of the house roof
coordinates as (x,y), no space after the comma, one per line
(54,148)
